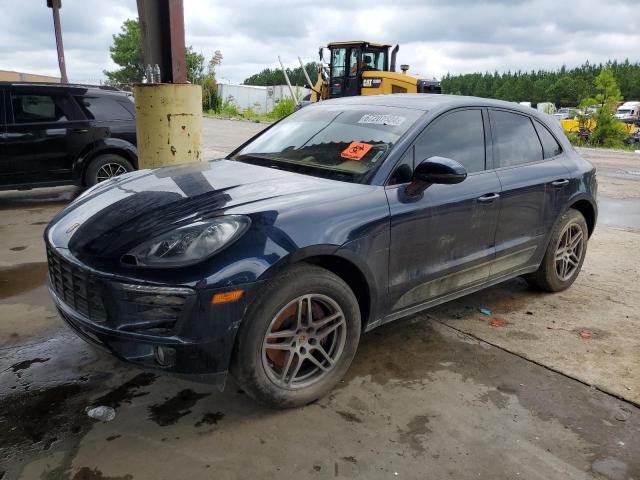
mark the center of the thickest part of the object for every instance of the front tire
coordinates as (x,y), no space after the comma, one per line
(565,254)
(298,338)
(105,167)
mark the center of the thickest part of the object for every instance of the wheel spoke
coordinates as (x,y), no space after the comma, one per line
(296,370)
(309,312)
(326,320)
(281,334)
(322,334)
(325,355)
(299,311)
(317,363)
(287,366)
(278,346)
(577,239)
(560,254)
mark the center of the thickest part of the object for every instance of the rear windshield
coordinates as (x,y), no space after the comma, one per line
(333,141)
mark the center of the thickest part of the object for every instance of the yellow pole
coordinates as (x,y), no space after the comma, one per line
(168,123)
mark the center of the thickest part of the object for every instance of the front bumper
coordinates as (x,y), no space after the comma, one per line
(182,333)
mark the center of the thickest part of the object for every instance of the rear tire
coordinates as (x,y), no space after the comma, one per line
(104,167)
(297,372)
(565,254)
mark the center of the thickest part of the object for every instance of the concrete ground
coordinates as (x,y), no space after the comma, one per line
(443,394)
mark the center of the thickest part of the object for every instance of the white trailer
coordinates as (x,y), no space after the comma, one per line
(628,111)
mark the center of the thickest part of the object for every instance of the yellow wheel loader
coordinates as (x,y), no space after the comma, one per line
(364,68)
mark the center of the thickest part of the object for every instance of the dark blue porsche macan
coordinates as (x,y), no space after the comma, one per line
(346,215)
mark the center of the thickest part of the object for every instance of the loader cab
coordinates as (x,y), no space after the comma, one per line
(348,61)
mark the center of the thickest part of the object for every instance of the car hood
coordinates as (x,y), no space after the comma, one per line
(114,216)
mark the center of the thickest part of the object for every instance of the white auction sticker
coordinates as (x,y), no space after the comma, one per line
(378,119)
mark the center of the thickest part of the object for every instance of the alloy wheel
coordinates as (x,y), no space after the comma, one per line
(304,341)
(569,251)
(109,170)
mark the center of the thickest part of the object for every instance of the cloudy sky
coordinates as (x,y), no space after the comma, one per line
(435,36)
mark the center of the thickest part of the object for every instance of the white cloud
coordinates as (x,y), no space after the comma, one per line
(435,37)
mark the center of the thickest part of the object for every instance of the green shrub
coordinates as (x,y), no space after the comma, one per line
(229,109)
(284,107)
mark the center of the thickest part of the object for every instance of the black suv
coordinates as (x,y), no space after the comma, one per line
(62,134)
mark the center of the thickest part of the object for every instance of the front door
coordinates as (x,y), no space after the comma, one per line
(443,241)
(4,161)
(45,134)
(346,72)
(534,187)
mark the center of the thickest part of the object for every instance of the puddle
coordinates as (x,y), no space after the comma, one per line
(40,417)
(174,408)
(127,391)
(210,418)
(21,278)
(619,212)
(26,364)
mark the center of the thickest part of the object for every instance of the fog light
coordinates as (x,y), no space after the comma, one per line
(164,355)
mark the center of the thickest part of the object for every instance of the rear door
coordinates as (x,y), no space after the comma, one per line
(46,132)
(443,241)
(533,183)
(110,115)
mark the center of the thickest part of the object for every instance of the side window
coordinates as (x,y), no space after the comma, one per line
(515,140)
(550,145)
(338,61)
(353,62)
(459,136)
(29,108)
(404,171)
(103,108)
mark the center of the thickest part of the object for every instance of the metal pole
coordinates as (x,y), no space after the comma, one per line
(56,5)
(162,29)
(286,77)
(306,75)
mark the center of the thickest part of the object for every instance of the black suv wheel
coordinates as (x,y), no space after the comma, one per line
(105,167)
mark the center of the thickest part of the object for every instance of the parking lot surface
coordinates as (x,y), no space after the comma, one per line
(552,392)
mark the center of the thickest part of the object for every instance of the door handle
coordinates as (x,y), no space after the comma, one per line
(488,198)
(79,130)
(560,183)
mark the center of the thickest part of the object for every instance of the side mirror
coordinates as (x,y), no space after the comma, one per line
(438,170)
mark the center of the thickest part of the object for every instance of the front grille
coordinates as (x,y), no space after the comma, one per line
(76,287)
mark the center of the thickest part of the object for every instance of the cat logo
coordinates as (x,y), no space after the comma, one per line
(72,227)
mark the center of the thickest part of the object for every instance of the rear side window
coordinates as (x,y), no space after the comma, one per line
(515,140)
(550,145)
(459,136)
(103,108)
(29,108)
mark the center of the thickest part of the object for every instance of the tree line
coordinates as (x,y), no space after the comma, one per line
(564,87)
(274,76)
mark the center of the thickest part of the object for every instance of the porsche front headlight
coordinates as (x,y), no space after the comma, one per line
(189,244)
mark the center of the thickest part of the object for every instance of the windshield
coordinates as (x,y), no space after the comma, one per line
(340,142)
(623,110)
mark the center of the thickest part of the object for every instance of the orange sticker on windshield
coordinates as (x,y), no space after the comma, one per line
(356,150)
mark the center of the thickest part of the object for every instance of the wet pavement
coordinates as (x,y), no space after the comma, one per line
(420,399)
(619,212)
